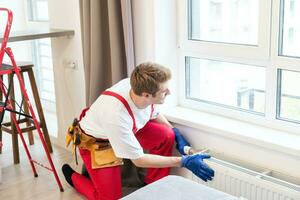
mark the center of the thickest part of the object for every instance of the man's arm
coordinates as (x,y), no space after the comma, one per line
(162,120)
(156,161)
(193,163)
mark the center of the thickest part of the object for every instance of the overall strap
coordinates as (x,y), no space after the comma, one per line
(152,109)
(82,114)
(125,103)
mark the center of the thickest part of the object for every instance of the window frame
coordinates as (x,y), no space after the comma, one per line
(221,49)
(31,23)
(32,11)
(266,54)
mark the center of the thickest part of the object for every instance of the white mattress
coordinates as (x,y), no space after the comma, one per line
(177,188)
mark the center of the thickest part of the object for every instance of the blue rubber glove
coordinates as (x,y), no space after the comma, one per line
(196,164)
(180,141)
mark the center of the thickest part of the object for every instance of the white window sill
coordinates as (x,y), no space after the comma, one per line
(249,133)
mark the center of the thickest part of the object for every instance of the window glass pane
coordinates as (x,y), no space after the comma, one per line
(44,69)
(49,96)
(46,62)
(290,38)
(38,10)
(42,11)
(229,84)
(289,94)
(47,74)
(47,86)
(224,21)
(45,50)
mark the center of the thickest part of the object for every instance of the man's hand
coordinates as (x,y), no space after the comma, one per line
(180,141)
(196,164)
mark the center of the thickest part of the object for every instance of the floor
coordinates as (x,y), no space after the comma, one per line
(18,181)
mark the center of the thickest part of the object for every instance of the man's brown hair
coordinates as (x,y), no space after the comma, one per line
(147,77)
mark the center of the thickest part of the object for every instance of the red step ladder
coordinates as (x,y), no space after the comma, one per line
(6,104)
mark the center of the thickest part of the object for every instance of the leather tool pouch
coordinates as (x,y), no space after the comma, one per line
(102,155)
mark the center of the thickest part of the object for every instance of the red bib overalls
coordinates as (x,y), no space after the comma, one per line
(105,183)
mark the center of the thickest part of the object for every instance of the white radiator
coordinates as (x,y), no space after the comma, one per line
(243,182)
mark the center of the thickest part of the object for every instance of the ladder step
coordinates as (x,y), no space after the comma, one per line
(26,129)
(19,122)
(7,126)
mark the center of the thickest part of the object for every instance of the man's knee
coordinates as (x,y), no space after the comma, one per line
(170,136)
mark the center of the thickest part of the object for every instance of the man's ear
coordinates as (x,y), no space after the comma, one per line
(145,94)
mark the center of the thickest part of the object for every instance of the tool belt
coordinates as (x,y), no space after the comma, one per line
(102,154)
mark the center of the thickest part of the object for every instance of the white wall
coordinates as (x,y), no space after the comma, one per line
(144,48)
(69,83)
(152,38)
(161,29)
(19,23)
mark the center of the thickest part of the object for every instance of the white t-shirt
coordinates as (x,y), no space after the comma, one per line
(108,118)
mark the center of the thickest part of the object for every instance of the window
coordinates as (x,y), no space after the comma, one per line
(241,58)
(289,96)
(42,59)
(224,21)
(224,28)
(290,26)
(38,10)
(226,84)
